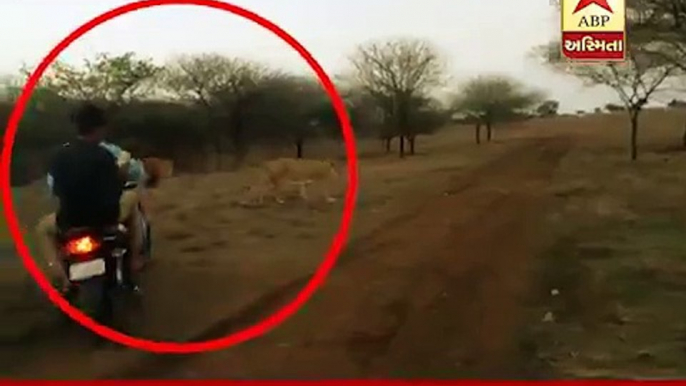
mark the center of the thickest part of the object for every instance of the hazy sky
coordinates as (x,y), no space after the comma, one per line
(476,36)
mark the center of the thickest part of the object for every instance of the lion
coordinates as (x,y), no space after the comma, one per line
(156,170)
(277,174)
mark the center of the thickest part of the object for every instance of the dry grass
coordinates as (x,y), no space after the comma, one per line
(620,257)
(202,236)
(617,255)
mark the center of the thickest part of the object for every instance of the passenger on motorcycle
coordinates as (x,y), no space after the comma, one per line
(88,181)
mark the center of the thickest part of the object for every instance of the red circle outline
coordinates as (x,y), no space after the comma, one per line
(253,331)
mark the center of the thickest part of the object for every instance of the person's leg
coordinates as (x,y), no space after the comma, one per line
(330,184)
(302,189)
(46,234)
(144,201)
(130,215)
(276,187)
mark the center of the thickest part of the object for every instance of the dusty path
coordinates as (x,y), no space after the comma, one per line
(436,293)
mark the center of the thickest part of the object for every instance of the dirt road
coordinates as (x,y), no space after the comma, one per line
(435,293)
(457,253)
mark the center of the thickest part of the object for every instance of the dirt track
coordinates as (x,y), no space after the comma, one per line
(457,253)
(435,293)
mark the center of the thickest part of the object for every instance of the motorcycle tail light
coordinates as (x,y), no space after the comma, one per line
(81,246)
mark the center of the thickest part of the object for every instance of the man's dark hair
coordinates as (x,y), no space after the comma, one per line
(88,118)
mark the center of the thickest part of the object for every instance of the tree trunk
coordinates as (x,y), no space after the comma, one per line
(676,15)
(214,124)
(683,137)
(401,147)
(299,143)
(634,134)
(237,136)
(388,141)
(411,140)
(219,150)
(477,133)
(489,131)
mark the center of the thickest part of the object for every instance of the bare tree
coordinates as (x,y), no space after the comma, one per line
(635,81)
(660,26)
(426,115)
(396,73)
(366,116)
(223,87)
(294,109)
(486,100)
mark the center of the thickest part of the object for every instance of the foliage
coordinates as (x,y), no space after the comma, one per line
(397,75)
(495,98)
(209,105)
(611,107)
(659,26)
(224,87)
(109,79)
(548,108)
(635,81)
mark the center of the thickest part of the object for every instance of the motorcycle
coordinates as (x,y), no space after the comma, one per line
(97,262)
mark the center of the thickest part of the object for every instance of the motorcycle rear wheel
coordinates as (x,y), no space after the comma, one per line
(93,297)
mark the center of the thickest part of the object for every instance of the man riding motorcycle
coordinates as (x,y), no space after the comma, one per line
(88,179)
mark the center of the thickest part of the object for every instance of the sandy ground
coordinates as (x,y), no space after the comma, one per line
(439,306)
(448,273)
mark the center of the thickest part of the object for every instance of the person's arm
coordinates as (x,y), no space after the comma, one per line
(54,175)
(124,163)
(111,177)
(137,172)
(51,182)
(122,157)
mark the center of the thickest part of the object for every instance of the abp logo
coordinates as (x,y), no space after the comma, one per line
(594,30)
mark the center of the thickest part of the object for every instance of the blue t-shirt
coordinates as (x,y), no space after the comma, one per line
(136,170)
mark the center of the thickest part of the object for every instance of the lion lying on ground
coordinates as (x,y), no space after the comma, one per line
(275,175)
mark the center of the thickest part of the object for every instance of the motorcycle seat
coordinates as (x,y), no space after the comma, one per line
(115,230)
